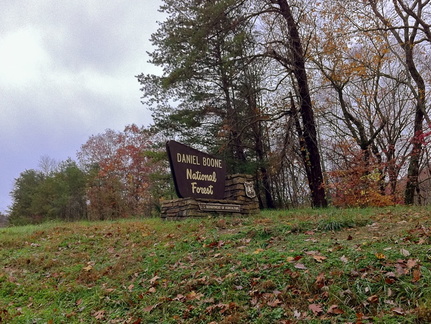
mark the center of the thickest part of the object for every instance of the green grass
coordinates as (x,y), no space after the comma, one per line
(321,266)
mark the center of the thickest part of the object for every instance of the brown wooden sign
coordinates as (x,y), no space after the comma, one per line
(196,174)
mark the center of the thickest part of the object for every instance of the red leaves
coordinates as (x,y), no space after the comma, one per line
(120,179)
(357,183)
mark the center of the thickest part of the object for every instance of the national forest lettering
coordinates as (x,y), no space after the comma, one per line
(197,175)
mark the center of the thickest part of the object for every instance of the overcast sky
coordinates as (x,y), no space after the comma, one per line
(67,71)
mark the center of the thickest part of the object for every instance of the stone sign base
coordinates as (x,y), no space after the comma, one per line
(240,199)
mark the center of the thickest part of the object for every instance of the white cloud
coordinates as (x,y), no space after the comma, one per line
(22,58)
(67,71)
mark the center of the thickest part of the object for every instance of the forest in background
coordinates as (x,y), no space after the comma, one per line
(323,102)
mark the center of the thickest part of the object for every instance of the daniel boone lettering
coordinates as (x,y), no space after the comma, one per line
(194,159)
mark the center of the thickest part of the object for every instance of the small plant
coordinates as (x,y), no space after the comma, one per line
(334,225)
(359,183)
(341,220)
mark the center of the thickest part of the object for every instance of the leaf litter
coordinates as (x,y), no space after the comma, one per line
(258,271)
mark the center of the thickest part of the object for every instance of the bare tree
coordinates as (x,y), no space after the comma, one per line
(48,165)
(405,21)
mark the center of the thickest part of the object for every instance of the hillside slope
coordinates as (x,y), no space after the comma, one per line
(359,266)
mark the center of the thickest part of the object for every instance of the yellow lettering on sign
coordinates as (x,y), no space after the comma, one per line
(188,158)
(202,190)
(197,175)
(211,162)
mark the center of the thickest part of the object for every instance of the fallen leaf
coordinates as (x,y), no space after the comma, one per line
(390,275)
(390,278)
(398,311)
(258,251)
(88,268)
(334,310)
(149,308)
(360,317)
(300,266)
(193,295)
(380,256)
(99,314)
(154,280)
(404,252)
(274,303)
(209,300)
(373,299)
(316,309)
(180,297)
(320,280)
(344,259)
(411,263)
(319,258)
(416,275)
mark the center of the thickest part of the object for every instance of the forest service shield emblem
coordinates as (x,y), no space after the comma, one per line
(249,189)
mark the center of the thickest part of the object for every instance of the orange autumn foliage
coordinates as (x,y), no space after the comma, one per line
(358,184)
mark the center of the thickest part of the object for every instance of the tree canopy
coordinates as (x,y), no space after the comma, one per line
(272,83)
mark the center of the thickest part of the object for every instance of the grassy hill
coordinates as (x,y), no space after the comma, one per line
(333,266)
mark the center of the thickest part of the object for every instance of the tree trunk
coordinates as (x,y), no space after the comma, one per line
(412,185)
(312,158)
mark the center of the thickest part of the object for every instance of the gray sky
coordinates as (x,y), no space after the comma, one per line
(67,71)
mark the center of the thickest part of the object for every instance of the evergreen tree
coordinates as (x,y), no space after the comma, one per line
(209,93)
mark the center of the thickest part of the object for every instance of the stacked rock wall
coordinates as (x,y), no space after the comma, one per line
(239,199)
